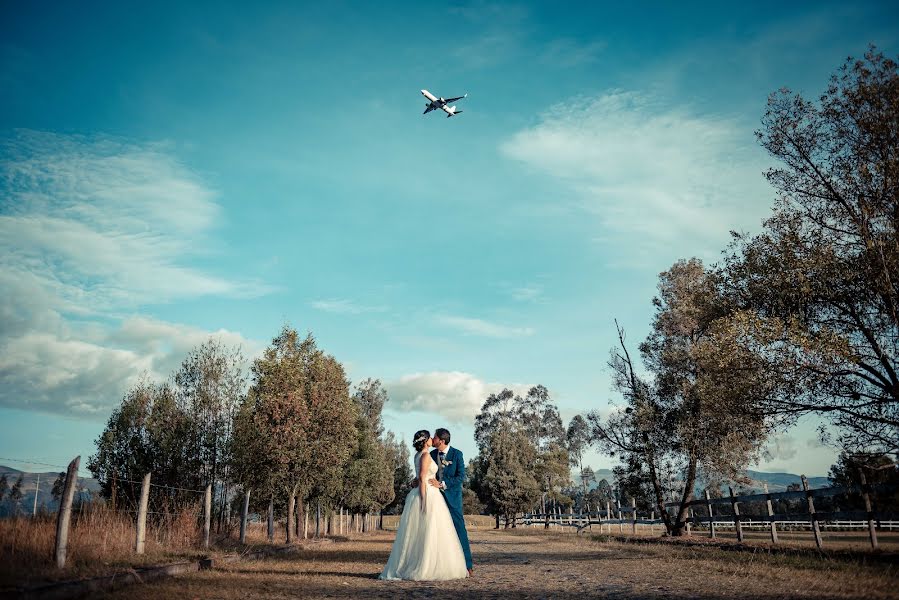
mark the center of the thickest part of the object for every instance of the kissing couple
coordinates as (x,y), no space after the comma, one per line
(431,542)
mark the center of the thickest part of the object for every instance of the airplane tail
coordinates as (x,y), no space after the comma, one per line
(452,112)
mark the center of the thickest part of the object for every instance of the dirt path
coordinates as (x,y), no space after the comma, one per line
(533,564)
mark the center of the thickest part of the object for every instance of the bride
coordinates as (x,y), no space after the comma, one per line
(426,546)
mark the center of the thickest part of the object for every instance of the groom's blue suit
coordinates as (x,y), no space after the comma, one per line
(453,475)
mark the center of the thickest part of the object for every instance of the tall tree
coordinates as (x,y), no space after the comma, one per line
(504,475)
(704,409)
(210,386)
(369,477)
(15,495)
(578,439)
(823,276)
(58,486)
(402,473)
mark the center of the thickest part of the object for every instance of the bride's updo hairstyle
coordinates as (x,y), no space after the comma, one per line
(420,439)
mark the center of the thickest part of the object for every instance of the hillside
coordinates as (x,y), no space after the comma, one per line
(777,482)
(87,485)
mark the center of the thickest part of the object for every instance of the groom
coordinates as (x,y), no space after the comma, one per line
(450,475)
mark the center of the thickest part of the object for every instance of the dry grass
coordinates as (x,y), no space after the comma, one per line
(535,564)
(101,541)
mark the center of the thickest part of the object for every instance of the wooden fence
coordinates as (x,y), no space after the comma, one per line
(816,520)
(338,523)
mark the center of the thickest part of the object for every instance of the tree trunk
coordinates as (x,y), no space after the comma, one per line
(656,486)
(682,512)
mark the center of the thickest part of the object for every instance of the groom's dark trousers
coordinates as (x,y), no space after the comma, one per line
(453,475)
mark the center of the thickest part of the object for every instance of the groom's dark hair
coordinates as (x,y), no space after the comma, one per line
(443,434)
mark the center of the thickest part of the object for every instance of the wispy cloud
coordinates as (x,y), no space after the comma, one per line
(345,307)
(453,395)
(527,293)
(91,229)
(483,328)
(656,176)
(568,52)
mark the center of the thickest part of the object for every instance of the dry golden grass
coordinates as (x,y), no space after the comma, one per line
(391,522)
(101,541)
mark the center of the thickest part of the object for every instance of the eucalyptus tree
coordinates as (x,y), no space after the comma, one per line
(504,474)
(822,278)
(703,408)
(210,386)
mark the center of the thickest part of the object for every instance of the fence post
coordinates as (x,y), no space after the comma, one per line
(608,517)
(142,515)
(243,518)
(271,521)
(708,502)
(736,507)
(64,515)
(207,515)
(866,496)
(771,516)
(816,529)
(689,520)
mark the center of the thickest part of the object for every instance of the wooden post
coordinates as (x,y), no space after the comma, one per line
(142,515)
(711,515)
(866,496)
(37,491)
(771,516)
(243,518)
(340,527)
(816,529)
(64,516)
(736,507)
(207,515)
(271,521)
(689,520)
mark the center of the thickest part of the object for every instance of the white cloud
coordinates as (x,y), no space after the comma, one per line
(659,178)
(781,447)
(527,292)
(344,306)
(453,395)
(91,229)
(483,328)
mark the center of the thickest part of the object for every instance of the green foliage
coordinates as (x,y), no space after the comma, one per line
(4,486)
(15,495)
(522,452)
(58,486)
(402,473)
(369,483)
(821,278)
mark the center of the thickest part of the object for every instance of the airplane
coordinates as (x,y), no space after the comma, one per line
(441,103)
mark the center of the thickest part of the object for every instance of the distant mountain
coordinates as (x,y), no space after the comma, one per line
(777,482)
(87,486)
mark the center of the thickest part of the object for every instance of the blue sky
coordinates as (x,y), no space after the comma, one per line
(171,172)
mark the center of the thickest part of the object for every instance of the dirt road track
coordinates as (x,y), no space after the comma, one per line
(534,564)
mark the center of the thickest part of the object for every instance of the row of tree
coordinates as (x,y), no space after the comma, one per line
(290,431)
(801,318)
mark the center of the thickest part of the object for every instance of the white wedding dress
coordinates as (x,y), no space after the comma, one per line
(426,546)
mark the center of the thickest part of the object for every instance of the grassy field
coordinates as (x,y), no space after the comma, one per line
(536,564)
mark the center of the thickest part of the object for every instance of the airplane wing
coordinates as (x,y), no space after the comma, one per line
(428,109)
(448,100)
(428,95)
